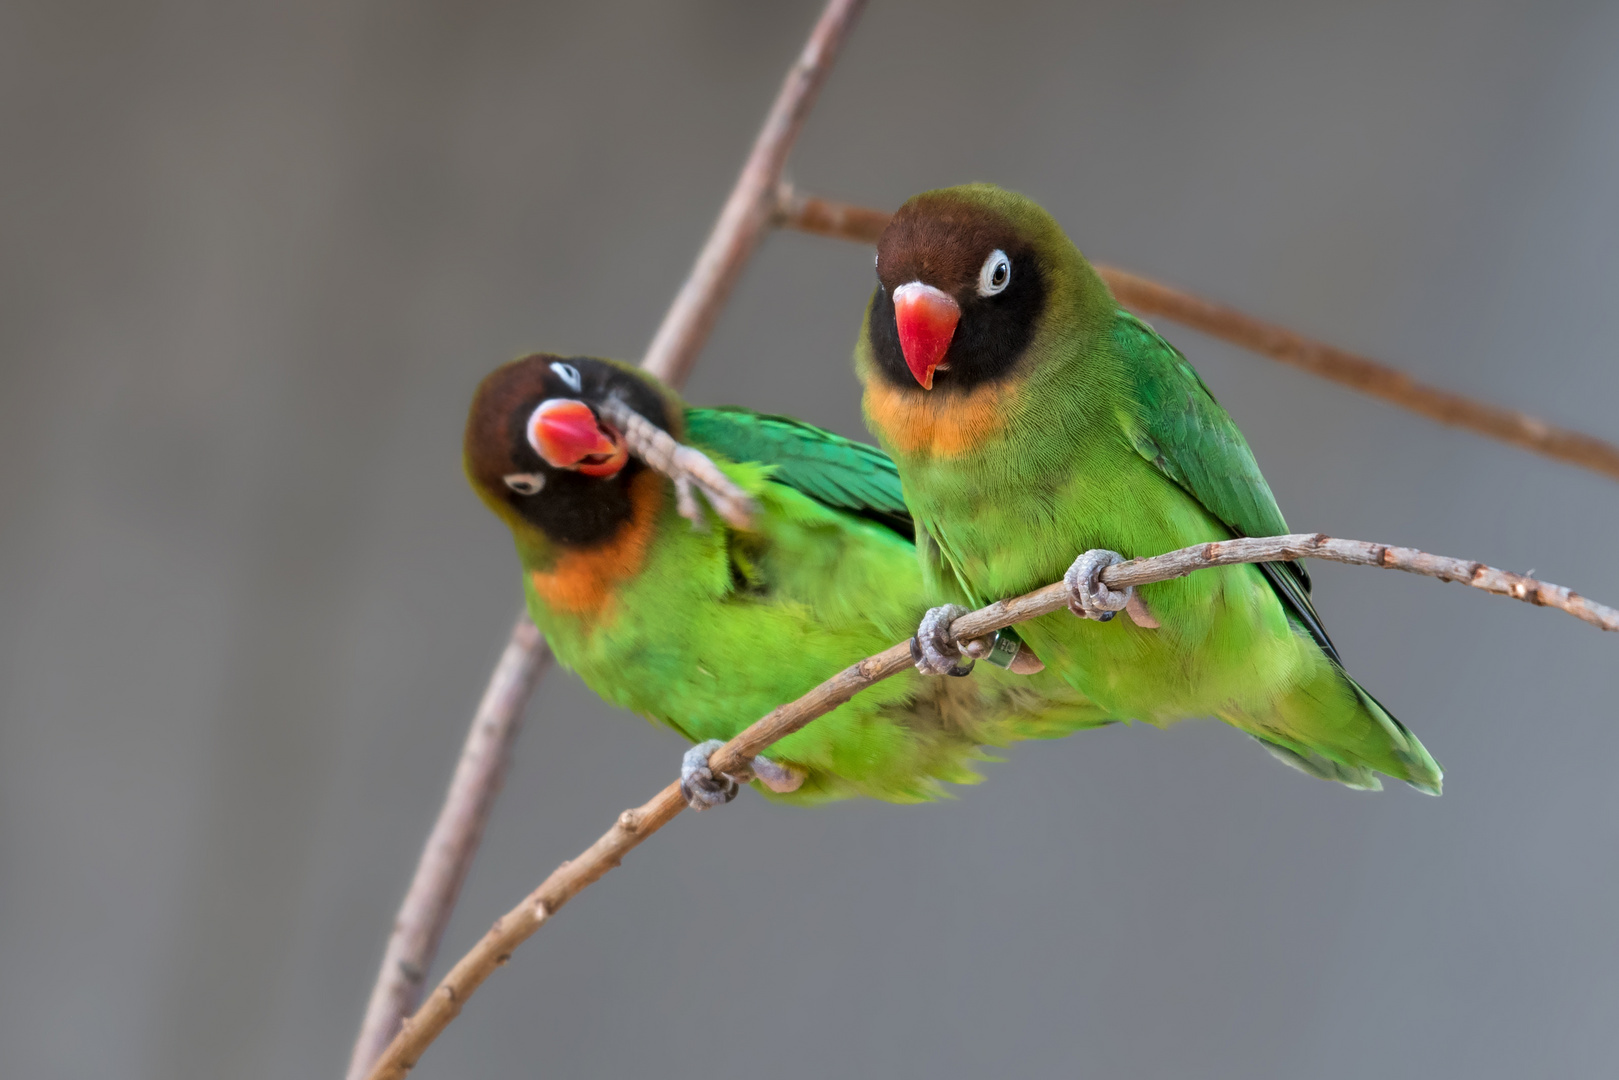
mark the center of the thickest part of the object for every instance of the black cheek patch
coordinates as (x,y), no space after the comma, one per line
(995,330)
(574,509)
(989,340)
(579,510)
(883,336)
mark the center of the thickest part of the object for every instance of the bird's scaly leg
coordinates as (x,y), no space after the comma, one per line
(704,788)
(1006,650)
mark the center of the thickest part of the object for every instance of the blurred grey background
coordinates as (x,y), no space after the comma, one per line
(253,260)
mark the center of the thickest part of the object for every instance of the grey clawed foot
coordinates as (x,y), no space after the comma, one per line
(702,787)
(932,648)
(1088,597)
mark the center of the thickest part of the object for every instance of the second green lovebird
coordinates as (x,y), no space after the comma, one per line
(1032,419)
(707,629)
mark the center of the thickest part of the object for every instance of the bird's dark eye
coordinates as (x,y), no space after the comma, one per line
(996,273)
(525,483)
(568,374)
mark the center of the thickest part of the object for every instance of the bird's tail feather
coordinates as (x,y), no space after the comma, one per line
(1335,730)
(1321,767)
(1422,771)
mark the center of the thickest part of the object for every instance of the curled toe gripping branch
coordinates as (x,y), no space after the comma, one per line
(934,651)
(1088,597)
(703,788)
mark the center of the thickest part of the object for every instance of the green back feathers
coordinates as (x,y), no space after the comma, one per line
(834,471)
(1185,433)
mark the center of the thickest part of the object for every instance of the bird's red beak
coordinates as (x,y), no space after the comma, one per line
(926,318)
(567,435)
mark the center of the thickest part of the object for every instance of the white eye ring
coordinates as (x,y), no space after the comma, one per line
(525,483)
(995,275)
(568,374)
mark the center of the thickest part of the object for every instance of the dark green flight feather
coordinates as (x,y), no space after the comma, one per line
(1195,443)
(830,469)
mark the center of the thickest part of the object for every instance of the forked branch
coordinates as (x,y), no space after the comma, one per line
(634,826)
(751,208)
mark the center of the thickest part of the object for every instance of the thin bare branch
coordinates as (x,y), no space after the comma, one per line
(454,840)
(634,826)
(752,205)
(827,217)
(447,855)
(1145,296)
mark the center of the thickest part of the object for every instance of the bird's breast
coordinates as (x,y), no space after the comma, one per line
(938,423)
(582,581)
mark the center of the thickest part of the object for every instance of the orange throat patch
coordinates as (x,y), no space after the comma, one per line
(582,582)
(937,423)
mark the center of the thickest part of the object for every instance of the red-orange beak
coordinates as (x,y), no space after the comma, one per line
(926,319)
(567,435)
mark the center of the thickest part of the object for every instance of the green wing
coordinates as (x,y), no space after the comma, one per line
(830,469)
(1189,437)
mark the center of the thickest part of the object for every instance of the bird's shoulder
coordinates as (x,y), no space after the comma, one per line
(1180,428)
(834,471)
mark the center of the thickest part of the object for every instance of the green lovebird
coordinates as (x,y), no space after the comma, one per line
(1031,419)
(706,630)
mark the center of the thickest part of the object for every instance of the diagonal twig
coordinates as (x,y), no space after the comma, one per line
(634,826)
(447,856)
(826,217)
(751,208)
